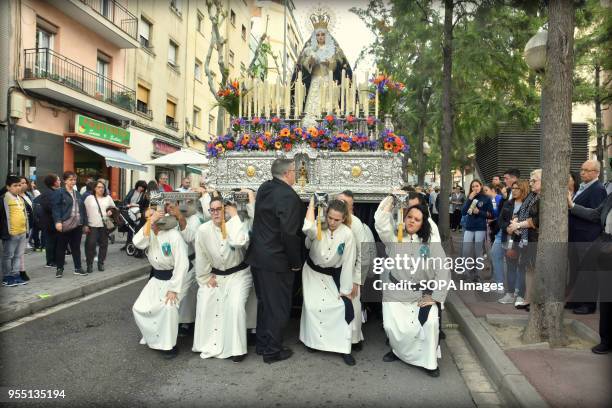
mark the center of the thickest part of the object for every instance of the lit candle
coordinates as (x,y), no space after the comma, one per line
(342,91)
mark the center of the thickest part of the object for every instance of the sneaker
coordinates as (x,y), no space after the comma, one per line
(24,276)
(519,302)
(59,272)
(8,281)
(508,299)
(18,281)
(50,265)
(79,271)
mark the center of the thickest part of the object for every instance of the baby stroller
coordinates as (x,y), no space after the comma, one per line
(131,218)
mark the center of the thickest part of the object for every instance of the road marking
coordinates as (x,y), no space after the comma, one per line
(62,306)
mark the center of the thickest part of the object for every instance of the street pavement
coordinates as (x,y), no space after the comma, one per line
(91,351)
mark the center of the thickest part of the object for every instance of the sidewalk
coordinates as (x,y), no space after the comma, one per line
(45,290)
(563,377)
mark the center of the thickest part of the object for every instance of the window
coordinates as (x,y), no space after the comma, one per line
(211,124)
(145,33)
(172,53)
(171,114)
(231,58)
(45,34)
(196,122)
(242,69)
(198,70)
(244,34)
(142,100)
(200,22)
(102,68)
(233,18)
(176,6)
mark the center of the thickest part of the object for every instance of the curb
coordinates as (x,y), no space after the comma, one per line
(22,309)
(511,383)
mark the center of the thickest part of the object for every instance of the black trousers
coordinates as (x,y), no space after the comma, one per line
(70,239)
(273,290)
(50,245)
(98,236)
(605,323)
(455,219)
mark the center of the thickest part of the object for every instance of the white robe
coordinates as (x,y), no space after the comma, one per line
(158,321)
(360,237)
(323,326)
(187,307)
(412,342)
(220,328)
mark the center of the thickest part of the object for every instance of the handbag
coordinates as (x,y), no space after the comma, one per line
(71,222)
(109,225)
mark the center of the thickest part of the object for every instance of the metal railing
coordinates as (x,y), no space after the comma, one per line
(171,123)
(144,110)
(44,63)
(116,14)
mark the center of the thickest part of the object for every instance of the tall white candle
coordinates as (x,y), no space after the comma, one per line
(376,102)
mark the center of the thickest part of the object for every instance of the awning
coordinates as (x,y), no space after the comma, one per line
(114,158)
(180,158)
(193,169)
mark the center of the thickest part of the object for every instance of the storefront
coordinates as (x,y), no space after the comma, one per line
(97,149)
(161,148)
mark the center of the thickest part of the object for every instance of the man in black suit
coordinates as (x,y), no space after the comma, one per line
(275,255)
(599,258)
(590,195)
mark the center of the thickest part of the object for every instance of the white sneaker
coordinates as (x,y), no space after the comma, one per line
(519,301)
(507,299)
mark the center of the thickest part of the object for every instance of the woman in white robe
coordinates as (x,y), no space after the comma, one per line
(327,313)
(156,309)
(411,317)
(225,282)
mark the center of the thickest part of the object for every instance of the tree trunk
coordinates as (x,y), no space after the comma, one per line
(447,121)
(546,317)
(598,126)
(420,154)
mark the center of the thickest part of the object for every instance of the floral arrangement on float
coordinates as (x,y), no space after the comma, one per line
(331,134)
(228,97)
(388,91)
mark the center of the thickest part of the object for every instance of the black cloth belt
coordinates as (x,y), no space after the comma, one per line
(161,274)
(229,271)
(349,312)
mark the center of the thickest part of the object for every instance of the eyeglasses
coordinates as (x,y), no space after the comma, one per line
(214,210)
(587,170)
(531,181)
(516,188)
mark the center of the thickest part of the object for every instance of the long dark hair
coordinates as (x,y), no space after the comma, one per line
(94,185)
(425,231)
(475,181)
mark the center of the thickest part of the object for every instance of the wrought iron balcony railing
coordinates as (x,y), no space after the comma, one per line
(116,14)
(44,63)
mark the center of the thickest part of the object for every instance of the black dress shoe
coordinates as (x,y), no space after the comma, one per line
(89,268)
(348,359)
(601,349)
(358,346)
(24,276)
(583,310)
(59,272)
(432,373)
(170,354)
(284,354)
(237,359)
(310,349)
(389,357)
(100,267)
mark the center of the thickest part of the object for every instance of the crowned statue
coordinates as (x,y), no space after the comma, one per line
(320,56)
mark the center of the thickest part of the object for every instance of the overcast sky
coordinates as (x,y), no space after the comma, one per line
(350,32)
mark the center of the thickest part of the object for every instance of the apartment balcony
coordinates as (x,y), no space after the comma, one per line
(58,77)
(107,18)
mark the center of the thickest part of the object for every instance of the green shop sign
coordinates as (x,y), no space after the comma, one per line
(99,130)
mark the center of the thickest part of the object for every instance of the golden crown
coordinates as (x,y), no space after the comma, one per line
(320,20)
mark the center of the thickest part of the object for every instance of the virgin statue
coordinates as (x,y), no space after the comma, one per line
(320,56)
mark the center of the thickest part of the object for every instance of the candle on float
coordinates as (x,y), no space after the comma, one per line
(248,98)
(267,95)
(342,92)
(366,100)
(321,95)
(376,101)
(239,102)
(298,96)
(287,99)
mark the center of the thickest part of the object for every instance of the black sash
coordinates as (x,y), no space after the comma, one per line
(229,271)
(349,312)
(161,274)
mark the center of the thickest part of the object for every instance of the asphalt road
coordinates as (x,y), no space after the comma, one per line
(91,351)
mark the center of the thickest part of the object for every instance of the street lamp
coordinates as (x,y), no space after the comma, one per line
(535,58)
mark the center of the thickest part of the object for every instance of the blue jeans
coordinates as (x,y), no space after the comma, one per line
(497,258)
(12,251)
(516,277)
(473,246)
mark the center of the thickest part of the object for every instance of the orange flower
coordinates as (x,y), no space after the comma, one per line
(284,132)
(321,132)
(268,135)
(313,131)
(278,145)
(345,146)
(298,131)
(260,143)
(244,141)
(329,118)
(313,145)
(230,145)
(246,137)
(235,84)
(397,149)
(355,138)
(388,146)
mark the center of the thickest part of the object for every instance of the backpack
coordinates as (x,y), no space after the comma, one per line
(38,212)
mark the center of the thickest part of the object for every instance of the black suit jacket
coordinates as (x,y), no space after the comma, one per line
(596,215)
(581,230)
(277,240)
